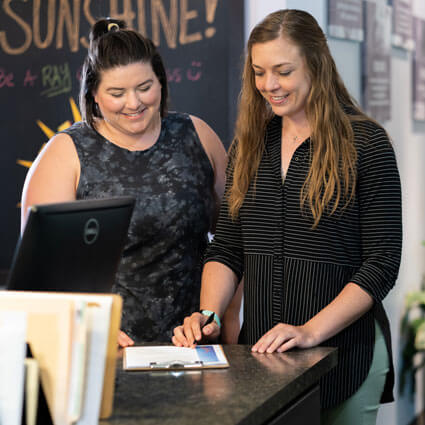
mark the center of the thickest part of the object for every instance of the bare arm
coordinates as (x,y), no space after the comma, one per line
(53,177)
(218,286)
(231,325)
(351,303)
(217,156)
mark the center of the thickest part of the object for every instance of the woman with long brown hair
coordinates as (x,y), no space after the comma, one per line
(311,219)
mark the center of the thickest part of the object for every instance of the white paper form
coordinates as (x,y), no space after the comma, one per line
(170,357)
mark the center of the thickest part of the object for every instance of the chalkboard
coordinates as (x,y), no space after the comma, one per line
(42,47)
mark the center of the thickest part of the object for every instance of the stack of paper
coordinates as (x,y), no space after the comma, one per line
(73,337)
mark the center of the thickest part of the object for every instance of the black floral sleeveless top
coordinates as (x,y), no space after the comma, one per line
(173,184)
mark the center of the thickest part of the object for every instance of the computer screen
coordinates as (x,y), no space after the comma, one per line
(72,246)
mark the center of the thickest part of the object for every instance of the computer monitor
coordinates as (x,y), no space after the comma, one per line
(72,246)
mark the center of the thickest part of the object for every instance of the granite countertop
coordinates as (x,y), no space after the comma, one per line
(253,389)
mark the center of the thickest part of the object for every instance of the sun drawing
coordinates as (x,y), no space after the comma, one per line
(50,133)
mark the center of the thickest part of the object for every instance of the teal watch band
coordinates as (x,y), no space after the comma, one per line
(208,313)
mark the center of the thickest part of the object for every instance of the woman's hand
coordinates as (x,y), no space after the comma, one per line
(350,304)
(192,332)
(283,337)
(124,340)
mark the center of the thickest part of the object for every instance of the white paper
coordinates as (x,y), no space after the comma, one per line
(144,356)
(13,330)
(99,316)
(78,364)
(155,356)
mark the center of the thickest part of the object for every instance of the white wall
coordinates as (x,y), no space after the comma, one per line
(256,10)
(409,143)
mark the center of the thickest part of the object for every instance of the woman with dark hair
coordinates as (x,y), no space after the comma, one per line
(173,164)
(311,218)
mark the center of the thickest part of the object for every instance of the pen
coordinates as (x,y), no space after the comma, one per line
(209,320)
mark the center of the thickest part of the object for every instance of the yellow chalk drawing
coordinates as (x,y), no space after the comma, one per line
(50,133)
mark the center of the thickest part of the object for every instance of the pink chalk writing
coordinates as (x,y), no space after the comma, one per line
(29,79)
(6,79)
(194,73)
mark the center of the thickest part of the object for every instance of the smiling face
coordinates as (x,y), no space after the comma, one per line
(129,99)
(281,76)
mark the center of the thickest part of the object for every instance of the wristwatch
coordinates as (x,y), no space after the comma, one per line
(208,313)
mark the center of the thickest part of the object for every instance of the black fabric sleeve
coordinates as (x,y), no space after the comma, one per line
(379,193)
(226,247)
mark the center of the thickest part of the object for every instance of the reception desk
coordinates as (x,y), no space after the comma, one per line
(256,389)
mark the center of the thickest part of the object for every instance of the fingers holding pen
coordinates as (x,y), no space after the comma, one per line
(210,329)
(185,335)
(201,327)
(176,339)
(195,328)
(192,328)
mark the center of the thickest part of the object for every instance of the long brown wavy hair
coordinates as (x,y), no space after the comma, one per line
(332,175)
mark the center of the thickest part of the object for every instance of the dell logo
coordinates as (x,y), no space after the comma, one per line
(91,231)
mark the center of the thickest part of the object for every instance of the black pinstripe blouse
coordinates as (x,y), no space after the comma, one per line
(291,272)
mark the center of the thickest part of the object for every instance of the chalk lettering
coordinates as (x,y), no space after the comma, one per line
(6,79)
(211,7)
(57,79)
(169,24)
(25,28)
(72,24)
(194,74)
(185,16)
(29,78)
(127,14)
(141,17)
(51,12)
(90,20)
(174,75)
(49,22)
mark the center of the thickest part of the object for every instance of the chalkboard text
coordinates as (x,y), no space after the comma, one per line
(61,19)
(56,79)
(6,78)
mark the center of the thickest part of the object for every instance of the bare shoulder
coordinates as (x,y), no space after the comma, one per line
(210,141)
(54,175)
(216,153)
(60,144)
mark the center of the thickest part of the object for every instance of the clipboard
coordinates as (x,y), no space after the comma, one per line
(166,357)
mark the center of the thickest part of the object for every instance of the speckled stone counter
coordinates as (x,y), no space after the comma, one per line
(253,390)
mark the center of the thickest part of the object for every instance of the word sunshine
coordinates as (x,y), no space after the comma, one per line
(49,23)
